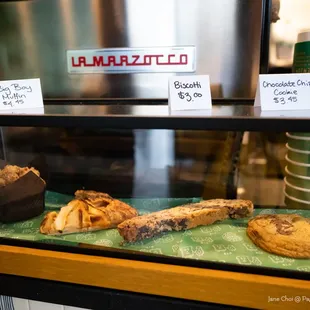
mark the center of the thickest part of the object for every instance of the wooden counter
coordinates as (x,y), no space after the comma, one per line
(214,286)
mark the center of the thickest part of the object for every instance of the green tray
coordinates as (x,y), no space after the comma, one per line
(225,242)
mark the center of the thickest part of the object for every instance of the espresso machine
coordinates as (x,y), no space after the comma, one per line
(123,52)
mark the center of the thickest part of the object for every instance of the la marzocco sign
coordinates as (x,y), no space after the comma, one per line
(132,60)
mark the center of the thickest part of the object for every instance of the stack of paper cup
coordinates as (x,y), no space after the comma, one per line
(301,61)
(297,180)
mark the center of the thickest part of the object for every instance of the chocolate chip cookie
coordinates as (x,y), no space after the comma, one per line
(282,234)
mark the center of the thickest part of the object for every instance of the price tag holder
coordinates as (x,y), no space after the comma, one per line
(20,94)
(283,92)
(190,92)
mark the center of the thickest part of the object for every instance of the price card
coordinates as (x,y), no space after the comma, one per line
(190,92)
(283,92)
(20,94)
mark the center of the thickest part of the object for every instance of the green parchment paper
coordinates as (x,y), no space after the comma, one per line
(225,242)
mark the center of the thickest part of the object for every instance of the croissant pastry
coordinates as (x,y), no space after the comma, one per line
(89,211)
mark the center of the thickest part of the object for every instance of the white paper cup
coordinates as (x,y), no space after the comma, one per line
(296,175)
(297,192)
(298,155)
(298,142)
(298,137)
(294,203)
(296,180)
(299,134)
(298,168)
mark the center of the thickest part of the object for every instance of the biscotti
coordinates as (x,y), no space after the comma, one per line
(183,217)
(90,211)
(282,234)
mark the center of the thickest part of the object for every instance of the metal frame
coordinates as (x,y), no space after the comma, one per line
(2,145)
(87,249)
(93,297)
(265,36)
(240,118)
(98,298)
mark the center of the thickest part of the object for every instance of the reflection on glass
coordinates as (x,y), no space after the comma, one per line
(156,170)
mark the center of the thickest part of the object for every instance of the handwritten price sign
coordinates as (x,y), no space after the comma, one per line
(20,94)
(190,93)
(283,100)
(283,92)
(189,97)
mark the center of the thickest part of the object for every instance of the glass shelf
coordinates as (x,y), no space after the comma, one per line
(124,116)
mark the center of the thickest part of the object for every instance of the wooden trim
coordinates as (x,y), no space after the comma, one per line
(158,279)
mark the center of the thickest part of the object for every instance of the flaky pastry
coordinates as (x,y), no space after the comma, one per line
(90,211)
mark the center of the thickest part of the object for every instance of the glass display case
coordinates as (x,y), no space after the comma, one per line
(109,200)
(151,162)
